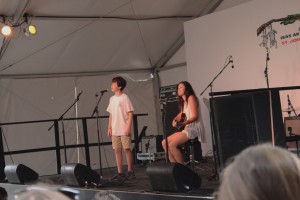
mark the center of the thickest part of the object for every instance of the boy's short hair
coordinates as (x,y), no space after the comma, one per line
(121,82)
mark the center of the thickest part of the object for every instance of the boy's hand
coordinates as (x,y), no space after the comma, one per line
(127,131)
(109,132)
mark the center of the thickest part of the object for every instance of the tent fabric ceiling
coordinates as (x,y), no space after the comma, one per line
(88,36)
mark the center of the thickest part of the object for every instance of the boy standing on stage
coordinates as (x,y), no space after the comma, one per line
(119,127)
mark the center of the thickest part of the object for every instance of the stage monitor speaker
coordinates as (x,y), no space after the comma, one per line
(20,174)
(79,175)
(172,177)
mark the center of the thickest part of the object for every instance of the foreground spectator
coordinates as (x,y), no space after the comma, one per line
(261,172)
(3,194)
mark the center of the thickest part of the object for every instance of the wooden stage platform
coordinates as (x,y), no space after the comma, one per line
(139,188)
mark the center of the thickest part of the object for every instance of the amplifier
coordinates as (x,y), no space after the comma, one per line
(151,156)
(292,125)
(152,144)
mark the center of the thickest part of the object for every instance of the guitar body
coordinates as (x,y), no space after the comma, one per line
(179,122)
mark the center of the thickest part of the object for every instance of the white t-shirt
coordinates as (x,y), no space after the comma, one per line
(119,107)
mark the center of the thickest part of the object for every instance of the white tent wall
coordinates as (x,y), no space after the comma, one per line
(173,76)
(49,98)
(177,73)
(210,39)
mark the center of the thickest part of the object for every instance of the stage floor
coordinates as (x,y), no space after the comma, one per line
(139,188)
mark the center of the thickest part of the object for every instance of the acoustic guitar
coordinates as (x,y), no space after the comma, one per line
(179,122)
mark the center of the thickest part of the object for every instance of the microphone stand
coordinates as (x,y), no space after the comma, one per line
(164,114)
(266,69)
(210,84)
(102,182)
(290,105)
(215,175)
(63,127)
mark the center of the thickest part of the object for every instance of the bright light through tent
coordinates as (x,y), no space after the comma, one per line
(32,29)
(6,31)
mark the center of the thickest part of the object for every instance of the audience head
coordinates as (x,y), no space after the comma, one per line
(105,195)
(3,194)
(261,172)
(41,193)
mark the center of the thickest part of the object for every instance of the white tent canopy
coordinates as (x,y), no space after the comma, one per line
(94,36)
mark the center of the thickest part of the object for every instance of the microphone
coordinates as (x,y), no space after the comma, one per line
(231,61)
(289,101)
(103,91)
(165,100)
(170,95)
(80,92)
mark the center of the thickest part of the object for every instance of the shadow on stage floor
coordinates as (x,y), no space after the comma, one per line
(139,188)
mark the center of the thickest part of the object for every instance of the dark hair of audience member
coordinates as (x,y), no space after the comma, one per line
(3,194)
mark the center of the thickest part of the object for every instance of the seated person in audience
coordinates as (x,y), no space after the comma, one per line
(187,121)
(261,172)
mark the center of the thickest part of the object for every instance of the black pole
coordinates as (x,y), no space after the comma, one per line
(2,158)
(215,175)
(86,142)
(164,114)
(96,110)
(266,69)
(57,146)
(64,139)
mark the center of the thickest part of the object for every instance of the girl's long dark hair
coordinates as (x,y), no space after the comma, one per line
(188,92)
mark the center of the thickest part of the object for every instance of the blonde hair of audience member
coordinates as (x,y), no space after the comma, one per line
(105,195)
(40,194)
(261,172)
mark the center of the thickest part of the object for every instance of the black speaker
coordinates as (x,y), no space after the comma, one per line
(20,174)
(76,174)
(172,177)
(242,120)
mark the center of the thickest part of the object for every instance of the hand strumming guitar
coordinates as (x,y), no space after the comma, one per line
(179,122)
